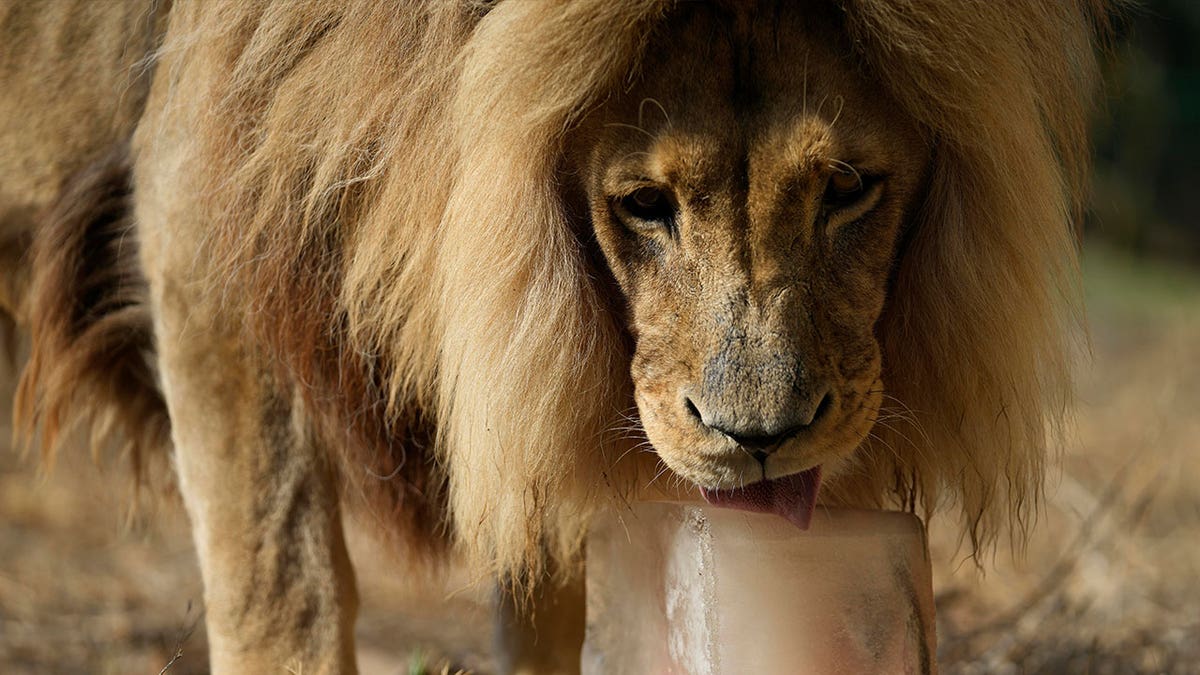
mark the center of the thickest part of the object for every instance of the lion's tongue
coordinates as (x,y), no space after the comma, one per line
(792,497)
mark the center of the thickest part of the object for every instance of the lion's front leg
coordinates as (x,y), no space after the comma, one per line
(544,636)
(279,588)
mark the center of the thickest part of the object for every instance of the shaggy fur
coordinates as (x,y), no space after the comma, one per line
(89,363)
(377,198)
(309,163)
(75,77)
(326,221)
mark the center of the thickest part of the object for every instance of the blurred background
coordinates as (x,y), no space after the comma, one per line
(1110,582)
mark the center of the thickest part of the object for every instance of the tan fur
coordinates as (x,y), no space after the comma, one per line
(74,76)
(89,363)
(384,269)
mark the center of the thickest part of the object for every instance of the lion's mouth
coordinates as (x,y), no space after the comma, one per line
(792,497)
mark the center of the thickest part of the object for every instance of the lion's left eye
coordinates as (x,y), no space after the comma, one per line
(845,183)
(850,192)
(646,208)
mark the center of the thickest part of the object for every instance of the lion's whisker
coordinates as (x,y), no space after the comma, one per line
(642,107)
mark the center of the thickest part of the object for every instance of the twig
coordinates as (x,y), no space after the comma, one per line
(185,633)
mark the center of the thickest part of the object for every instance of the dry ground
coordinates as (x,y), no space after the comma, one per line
(1111,579)
(1110,582)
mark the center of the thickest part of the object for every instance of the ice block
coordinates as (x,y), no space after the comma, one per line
(683,588)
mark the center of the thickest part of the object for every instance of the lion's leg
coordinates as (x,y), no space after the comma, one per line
(279,588)
(546,636)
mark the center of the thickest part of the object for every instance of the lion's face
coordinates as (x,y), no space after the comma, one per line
(749,193)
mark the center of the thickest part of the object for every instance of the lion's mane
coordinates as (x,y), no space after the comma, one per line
(385,209)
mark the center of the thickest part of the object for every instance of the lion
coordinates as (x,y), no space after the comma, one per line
(475,272)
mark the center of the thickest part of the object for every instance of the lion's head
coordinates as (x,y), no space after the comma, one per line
(835,235)
(749,193)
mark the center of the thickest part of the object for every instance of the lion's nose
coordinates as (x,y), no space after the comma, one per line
(758,432)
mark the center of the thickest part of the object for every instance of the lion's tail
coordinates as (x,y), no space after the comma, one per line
(91,364)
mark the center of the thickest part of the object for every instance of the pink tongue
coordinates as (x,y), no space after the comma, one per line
(792,497)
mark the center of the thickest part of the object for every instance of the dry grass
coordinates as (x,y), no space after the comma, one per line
(1109,584)
(1111,581)
(85,587)
(88,585)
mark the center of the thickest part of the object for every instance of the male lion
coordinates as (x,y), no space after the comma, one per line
(451,264)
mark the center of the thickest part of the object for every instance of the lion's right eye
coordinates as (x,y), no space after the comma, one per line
(646,208)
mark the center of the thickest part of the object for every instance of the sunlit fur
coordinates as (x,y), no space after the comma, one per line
(386,208)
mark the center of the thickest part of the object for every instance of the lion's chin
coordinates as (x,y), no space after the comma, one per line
(792,497)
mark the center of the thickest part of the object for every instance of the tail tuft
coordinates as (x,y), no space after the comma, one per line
(91,364)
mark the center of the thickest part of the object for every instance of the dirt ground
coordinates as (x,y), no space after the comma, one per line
(1110,582)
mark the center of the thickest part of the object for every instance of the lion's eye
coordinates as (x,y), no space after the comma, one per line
(848,188)
(845,182)
(844,187)
(646,207)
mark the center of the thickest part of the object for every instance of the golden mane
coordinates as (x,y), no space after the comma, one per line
(385,204)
